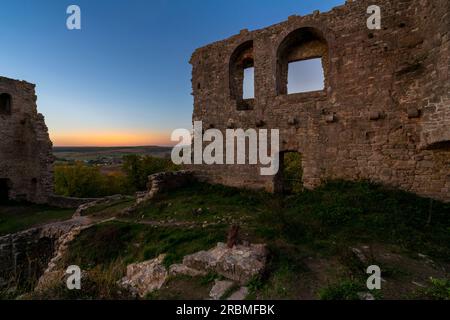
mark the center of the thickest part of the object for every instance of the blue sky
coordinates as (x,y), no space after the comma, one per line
(126,74)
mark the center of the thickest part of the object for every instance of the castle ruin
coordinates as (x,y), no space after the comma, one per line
(26,159)
(384,111)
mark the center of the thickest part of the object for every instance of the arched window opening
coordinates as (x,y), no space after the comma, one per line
(242,88)
(5,103)
(302,62)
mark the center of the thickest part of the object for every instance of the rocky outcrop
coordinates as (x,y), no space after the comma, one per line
(239,263)
(220,288)
(240,294)
(181,269)
(145,277)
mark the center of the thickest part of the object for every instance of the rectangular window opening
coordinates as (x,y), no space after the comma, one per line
(249,83)
(306,76)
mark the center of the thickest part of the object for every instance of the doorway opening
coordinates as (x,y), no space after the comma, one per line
(4,190)
(289,179)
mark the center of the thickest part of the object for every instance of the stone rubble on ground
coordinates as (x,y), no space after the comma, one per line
(238,264)
(181,269)
(239,295)
(366,296)
(220,288)
(145,277)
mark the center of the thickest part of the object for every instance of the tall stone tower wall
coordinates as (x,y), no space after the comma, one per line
(26,158)
(384,113)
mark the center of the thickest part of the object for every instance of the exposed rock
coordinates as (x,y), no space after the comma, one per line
(366,296)
(359,254)
(181,269)
(220,288)
(50,279)
(145,277)
(239,263)
(241,294)
(418,284)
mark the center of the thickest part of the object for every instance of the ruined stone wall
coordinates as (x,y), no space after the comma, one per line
(24,256)
(25,148)
(384,114)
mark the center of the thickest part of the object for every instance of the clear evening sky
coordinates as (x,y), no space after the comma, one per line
(124,79)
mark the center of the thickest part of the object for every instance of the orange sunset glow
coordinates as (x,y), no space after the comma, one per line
(110,139)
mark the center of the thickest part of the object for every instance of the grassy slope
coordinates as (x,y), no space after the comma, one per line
(17,217)
(309,236)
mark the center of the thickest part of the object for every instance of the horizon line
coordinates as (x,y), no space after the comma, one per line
(115,146)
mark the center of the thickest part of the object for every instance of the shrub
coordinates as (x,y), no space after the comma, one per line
(138,169)
(438,290)
(344,290)
(82,181)
(292,173)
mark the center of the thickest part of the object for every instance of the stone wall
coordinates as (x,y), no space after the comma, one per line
(384,114)
(164,182)
(25,255)
(69,202)
(26,158)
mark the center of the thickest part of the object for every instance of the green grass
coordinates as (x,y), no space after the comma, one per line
(110,209)
(320,225)
(338,212)
(104,243)
(438,289)
(17,217)
(203,202)
(345,213)
(343,290)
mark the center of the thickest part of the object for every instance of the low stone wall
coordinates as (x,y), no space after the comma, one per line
(68,202)
(82,209)
(22,256)
(165,181)
(25,255)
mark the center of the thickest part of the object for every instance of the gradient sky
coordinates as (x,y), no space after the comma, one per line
(124,79)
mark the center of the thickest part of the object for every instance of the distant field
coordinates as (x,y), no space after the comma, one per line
(94,153)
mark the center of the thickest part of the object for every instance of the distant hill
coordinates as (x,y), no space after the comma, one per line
(92,153)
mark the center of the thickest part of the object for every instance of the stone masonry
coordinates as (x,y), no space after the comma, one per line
(26,158)
(384,113)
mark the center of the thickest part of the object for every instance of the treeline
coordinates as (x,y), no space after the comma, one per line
(84,181)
